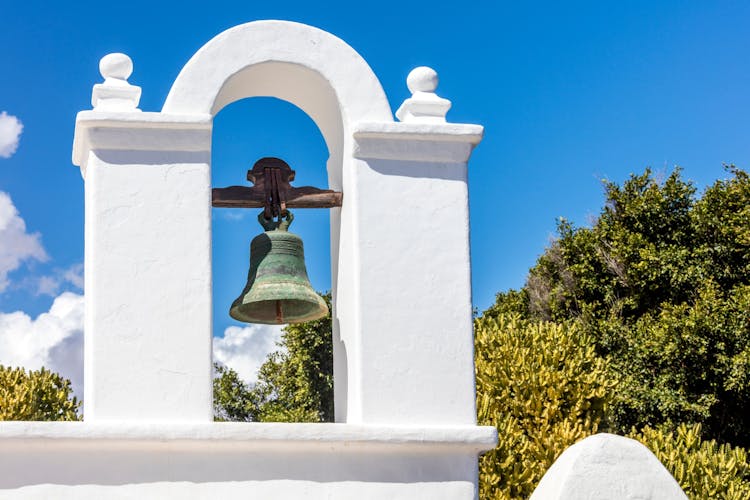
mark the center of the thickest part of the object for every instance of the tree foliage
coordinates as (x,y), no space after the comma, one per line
(544,388)
(233,399)
(689,363)
(295,384)
(704,469)
(660,282)
(36,395)
(639,324)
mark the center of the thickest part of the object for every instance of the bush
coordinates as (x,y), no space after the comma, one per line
(544,388)
(295,383)
(233,399)
(36,395)
(661,282)
(704,469)
(689,363)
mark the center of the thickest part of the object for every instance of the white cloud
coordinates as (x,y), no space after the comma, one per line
(244,349)
(53,339)
(17,245)
(47,285)
(233,214)
(74,275)
(51,285)
(10,133)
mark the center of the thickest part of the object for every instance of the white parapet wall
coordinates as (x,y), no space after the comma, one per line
(238,460)
(608,467)
(402,315)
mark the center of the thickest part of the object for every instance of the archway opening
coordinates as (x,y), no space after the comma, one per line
(244,132)
(330,81)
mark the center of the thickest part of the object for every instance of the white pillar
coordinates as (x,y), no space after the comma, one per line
(147,257)
(402,297)
(414,355)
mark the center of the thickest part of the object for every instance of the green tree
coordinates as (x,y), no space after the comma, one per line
(689,363)
(233,399)
(36,395)
(660,282)
(544,387)
(295,384)
(635,257)
(639,324)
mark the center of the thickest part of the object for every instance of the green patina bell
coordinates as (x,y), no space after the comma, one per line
(278,290)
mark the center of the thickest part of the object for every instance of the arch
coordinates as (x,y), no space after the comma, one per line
(328,80)
(402,346)
(308,67)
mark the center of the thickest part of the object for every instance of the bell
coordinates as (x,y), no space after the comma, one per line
(278,290)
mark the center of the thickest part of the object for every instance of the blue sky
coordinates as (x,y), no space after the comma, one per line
(569,94)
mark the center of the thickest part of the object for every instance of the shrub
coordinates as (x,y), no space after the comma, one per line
(544,388)
(36,395)
(704,469)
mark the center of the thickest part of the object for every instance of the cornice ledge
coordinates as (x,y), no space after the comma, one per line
(139,131)
(416,142)
(324,436)
(450,132)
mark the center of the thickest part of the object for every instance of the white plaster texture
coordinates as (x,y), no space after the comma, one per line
(416,290)
(238,460)
(310,68)
(608,467)
(424,105)
(393,323)
(276,488)
(328,80)
(115,94)
(403,346)
(147,334)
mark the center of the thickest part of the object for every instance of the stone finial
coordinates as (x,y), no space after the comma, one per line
(115,94)
(424,105)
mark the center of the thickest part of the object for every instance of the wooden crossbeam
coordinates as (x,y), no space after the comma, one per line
(253,197)
(271,190)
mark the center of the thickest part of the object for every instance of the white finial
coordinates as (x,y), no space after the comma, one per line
(115,94)
(422,79)
(424,105)
(117,66)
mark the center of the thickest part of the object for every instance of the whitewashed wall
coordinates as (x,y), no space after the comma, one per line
(403,349)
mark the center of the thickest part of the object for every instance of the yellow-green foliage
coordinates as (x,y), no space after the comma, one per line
(704,469)
(544,388)
(35,395)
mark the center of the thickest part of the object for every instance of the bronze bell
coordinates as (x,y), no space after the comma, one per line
(278,290)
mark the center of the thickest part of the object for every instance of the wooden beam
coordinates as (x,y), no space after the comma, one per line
(252,197)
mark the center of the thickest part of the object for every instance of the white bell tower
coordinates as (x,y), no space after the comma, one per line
(403,343)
